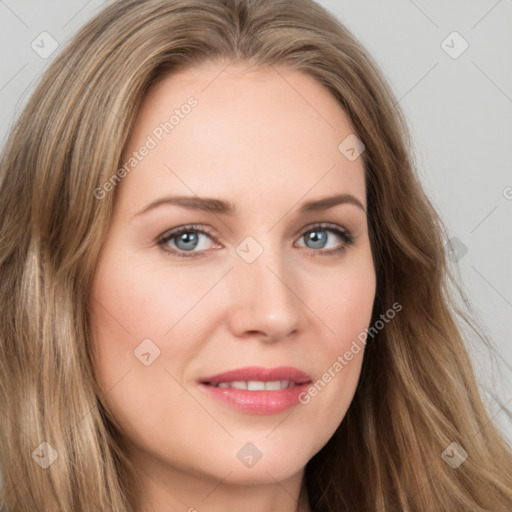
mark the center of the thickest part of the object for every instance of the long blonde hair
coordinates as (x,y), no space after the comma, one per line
(417,393)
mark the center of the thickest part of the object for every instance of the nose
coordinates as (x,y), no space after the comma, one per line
(265,300)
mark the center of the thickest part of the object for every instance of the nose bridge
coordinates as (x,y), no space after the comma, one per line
(264,295)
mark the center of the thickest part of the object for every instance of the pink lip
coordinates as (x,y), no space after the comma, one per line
(260,373)
(258,402)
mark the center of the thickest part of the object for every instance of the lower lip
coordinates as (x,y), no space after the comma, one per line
(258,402)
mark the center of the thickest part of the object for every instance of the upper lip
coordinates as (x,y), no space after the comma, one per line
(259,373)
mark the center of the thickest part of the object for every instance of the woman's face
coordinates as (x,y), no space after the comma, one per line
(222,255)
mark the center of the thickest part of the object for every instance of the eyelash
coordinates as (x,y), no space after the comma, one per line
(163,239)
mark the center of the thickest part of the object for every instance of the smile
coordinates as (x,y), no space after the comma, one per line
(257,390)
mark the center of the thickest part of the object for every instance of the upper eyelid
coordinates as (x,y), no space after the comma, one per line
(187,227)
(324,225)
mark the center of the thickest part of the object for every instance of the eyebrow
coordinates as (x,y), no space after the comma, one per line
(223,207)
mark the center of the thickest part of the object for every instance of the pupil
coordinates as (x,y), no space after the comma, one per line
(187,241)
(317,238)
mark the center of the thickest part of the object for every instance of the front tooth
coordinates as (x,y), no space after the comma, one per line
(286,384)
(255,385)
(239,384)
(273,385)
(223,384)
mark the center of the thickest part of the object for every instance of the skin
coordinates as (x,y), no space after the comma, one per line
(267,140)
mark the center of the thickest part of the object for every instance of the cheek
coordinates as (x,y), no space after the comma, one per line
(136,297)
(133,306)
(348,308)
(345,301)
(144,312)
(344,304)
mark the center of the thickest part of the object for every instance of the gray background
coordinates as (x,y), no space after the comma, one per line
(459,111)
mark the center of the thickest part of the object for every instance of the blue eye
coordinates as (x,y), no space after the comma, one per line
(187,239)
(194,241)
(317,238)
(324,239)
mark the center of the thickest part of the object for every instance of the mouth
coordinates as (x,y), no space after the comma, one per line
(254,385)
(257,390)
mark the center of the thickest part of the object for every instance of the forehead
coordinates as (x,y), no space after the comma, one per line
(252,132)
